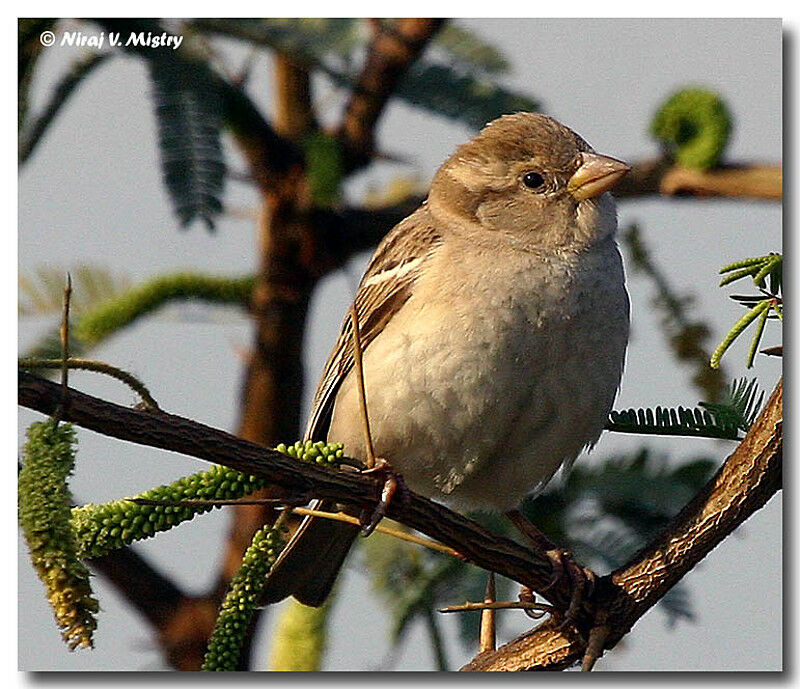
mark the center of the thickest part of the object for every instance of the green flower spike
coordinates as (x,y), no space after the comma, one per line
(44,515)
(112,525)
(102,528)
(236,611)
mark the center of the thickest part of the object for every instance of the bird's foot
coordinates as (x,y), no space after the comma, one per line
(528,597)
(581,582)
(581,579)
(392,482)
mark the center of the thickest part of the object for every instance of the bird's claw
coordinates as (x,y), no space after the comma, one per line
(581,582)
(392,481)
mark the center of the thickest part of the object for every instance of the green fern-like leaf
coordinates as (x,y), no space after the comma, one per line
(41,291)
(677,605)
(460,95)
(767,274)
(605,512)
(467,50)
(741,405)
(697,423)
(188,110)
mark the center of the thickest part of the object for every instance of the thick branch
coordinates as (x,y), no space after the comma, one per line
(749,477)
(341,233)
(150,592)
(660,178)
(294,113)
(177,434)
(391,52)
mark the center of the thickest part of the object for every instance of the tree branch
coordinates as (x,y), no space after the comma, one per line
(33,131)
(350,230)
(658,177)
(29,49)
(178,434)
(151,593)
(294,112)
(389,55)
(749,477)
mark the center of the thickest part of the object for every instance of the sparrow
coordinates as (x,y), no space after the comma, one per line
(493,327)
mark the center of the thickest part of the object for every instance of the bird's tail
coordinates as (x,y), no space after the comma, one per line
(309,564)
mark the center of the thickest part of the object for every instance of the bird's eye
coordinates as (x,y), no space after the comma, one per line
(533,180)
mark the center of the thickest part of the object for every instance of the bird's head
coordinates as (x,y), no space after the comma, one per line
(531,178)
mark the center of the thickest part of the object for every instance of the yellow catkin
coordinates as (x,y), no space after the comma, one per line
(299,641)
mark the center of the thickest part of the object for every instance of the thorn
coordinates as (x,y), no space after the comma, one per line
(488,635)
(594,648)
(773,351)
(64,335)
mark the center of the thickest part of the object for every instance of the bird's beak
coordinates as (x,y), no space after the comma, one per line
(595,175)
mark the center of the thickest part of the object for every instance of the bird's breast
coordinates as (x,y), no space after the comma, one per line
(492,375)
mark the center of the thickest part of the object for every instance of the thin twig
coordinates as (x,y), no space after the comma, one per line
(402,535)
(30,363)
(362,391)
(304,512)
(499,605)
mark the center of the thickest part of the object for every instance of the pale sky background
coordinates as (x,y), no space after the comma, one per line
(92,193)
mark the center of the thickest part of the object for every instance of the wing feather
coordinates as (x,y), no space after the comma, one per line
(387,284)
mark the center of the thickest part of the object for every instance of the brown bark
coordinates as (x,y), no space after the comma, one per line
(749,477)
(658,177)
(745,482)
(390,53)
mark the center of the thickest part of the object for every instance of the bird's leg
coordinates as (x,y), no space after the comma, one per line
(580,578)
(392,482)
(375,465)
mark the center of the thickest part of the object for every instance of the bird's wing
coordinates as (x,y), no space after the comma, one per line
(387,284)
(308,565)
